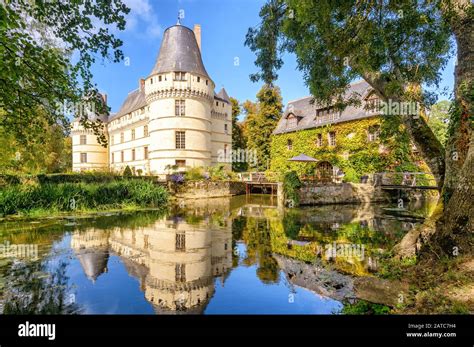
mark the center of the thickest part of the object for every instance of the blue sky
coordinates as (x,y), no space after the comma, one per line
(224,25)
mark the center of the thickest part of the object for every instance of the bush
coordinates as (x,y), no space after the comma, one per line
(194,174)
(81,196)
(127,172)
(291,184)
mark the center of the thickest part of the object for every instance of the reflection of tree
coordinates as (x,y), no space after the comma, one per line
(291,224)
(32,288)
(259,249)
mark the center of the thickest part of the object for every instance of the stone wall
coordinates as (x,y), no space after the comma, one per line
(344,193)
(207,189)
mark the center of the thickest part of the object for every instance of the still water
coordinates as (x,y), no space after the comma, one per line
(218,256)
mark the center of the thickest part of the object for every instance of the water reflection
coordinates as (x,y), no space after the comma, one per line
(213,256)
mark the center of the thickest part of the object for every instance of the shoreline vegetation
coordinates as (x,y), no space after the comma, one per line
(78,194)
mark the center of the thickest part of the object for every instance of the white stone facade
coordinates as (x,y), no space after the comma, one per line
(174,118)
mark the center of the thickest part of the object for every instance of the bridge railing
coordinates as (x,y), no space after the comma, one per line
(409,179)
(257,177)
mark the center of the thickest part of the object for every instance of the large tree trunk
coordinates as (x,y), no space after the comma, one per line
(454,230)
(449,231)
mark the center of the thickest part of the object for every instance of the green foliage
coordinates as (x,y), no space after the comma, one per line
(239,141)
(260,122)
(37,42)
(47,152)
(80,196)
(127,172)
(396,44)
(291,184)
(439,120)
(219,173)
(194,174)
(365,307)
(352,153)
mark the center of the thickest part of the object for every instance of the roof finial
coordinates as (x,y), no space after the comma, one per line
(179,18)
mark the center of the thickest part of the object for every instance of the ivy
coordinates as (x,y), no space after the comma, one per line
(353,153)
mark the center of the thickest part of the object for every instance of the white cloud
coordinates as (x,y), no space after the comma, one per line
(143,13)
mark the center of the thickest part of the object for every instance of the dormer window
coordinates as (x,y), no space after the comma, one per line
(327,114)
(292,121)
(159,78)
(180,76)
(289,145)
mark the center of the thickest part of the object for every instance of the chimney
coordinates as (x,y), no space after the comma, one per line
(141,84)
(197,33)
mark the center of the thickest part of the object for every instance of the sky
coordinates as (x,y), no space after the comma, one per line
(227,60)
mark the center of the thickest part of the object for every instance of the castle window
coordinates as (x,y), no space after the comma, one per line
(373,133)
(179,107)
(133,134)
(199,79)
(145,152)
(180,244)
(145,131)
(217,103)
(289,145)
(122,157)
(122,137)
(180,76)
(113,158)
(319,140)
(207,82)
(180,163)
(83,157)
(180,271)
(83,139)
(225,150)
(133,154)
(159,78)
(151,80)
(332,138)
(180,140)
(225,129)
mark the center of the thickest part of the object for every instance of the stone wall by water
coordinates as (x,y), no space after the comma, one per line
(208,189)
(344,193)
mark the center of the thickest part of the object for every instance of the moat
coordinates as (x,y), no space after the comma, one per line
(215,256)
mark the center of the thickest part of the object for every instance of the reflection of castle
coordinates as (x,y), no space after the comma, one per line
(175,262)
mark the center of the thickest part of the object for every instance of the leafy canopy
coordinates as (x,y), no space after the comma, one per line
(38,41)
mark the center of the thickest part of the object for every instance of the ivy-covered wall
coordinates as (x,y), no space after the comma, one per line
(353,153)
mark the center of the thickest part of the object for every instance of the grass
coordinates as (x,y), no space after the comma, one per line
(37,200)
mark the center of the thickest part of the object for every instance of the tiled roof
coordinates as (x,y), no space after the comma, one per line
(222,95)
(134,101)
(179,51)
(305,110)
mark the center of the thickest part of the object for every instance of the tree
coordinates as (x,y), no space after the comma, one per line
(439,120)
(239,142)
(261,122)
(47,152)
(396,47)
(37,41)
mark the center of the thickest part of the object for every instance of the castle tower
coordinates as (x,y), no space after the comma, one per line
(87,153)
(180,95)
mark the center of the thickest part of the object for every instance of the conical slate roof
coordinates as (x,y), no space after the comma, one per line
(223,95)
(179,51)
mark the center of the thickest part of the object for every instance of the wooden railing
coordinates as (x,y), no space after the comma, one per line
(422,180)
